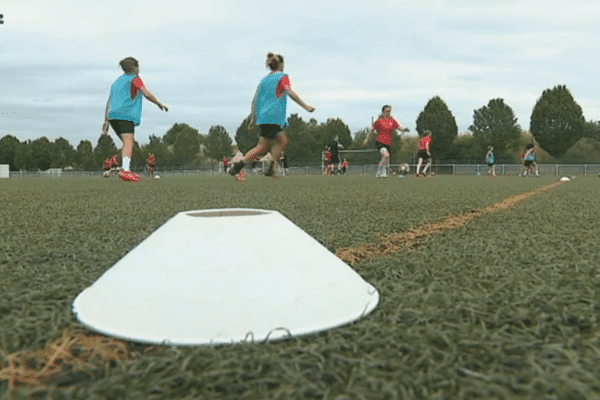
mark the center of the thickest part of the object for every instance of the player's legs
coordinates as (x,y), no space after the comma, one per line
(385,161)
(419,163)
(277,149)
(427,166)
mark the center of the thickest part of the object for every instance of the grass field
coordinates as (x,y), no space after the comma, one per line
(503,307)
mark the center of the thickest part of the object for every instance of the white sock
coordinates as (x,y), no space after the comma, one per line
(126,162)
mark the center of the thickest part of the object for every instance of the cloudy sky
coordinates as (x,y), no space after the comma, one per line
(204,58)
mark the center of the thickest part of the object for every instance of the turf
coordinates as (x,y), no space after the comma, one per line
(504,307)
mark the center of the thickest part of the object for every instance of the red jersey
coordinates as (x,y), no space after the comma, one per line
(425,140)
(225,162)
(107,164)
(385,127)
(151,161)
(327,156)
(114,162)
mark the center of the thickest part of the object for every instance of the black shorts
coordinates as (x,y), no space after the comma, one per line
(121,126)
(490,164)
(528,163)
(335,158)
(423,154)
(381,146)
(270,131)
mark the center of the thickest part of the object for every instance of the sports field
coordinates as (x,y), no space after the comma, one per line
(484,294)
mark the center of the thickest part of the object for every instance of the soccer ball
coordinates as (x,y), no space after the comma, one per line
(404,169)
(156,176)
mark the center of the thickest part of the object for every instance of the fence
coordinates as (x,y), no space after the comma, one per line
(370,169)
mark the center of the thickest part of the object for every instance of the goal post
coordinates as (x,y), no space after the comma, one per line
(4,171)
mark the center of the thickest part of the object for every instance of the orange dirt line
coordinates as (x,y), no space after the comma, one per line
(410,238)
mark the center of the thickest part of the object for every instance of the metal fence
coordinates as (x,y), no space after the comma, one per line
(370,169)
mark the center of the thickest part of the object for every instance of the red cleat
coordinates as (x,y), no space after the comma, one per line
(129,176)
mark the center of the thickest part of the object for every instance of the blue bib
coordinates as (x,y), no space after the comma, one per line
(121,105)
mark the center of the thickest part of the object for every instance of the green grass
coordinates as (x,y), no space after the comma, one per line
(505,307)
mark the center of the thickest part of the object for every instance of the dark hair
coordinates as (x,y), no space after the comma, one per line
(128,64)
(384,107)
(529,146)
(274,61)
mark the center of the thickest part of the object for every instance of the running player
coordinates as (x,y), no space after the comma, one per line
(268,111)
(424,153)
(385,126)
(124,111)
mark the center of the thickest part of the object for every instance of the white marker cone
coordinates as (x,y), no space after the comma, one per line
(224,276)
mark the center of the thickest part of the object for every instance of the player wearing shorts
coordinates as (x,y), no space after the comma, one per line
(424,153)
(268,111)
(528,160)
(124,111)
(150,164)
(489,158)
(385,126)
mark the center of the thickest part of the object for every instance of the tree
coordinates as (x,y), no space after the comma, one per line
(437,118)
(557,121)
(23,159)
(337,127)
(105,148)
(218,143)
(299,142)
(170,137)
(41,149)
(85,155)
(244,138)
(9,146)
(186,145)
(63,154)
(496,125)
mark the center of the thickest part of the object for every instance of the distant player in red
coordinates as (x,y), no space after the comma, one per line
(150,163)
(344,166)
(327,163)
(106,165)
(114,163)
(225,165)
(385,126)
(424,153)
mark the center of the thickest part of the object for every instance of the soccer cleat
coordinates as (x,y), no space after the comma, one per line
(129,176)
(271,170)
(237,167)
(241,176)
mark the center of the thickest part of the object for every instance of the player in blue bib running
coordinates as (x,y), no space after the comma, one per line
(269,113)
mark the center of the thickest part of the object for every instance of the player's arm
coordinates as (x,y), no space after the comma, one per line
(106,124)
(296,98)
(147,94)
(253,111)
(368,137)
(427,147)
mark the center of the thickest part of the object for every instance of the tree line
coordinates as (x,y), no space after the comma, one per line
(557,127)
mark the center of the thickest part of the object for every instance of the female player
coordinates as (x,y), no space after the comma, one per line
(268,111)
(124,111)
(489,158)
(385,126)
(424,153)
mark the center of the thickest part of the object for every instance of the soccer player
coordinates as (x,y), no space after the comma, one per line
(327,157)
(424,153)
(489,158)
(385,126)
(150,163)
(106,168)
(225,165)
(344,166)
(334,147)
(528,160)
(124,111)
(268,111)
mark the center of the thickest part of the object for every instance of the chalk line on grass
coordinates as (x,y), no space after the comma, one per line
(410,239)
